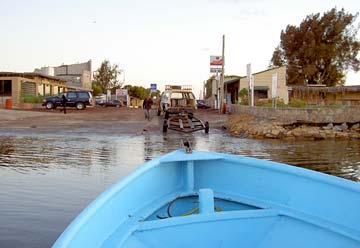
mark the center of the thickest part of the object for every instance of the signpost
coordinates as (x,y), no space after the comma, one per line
(274,89)
(215,70)
(153,88)
(216,60)
(215,63)
(251,82)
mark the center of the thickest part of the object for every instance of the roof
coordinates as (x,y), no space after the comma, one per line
(236,80)
(29,75)
(270,69)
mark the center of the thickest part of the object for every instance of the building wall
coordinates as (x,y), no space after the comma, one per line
(264,78)
(52,87)
(76,75)
(72,68)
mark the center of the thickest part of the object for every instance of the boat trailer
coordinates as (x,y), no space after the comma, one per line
(184,122)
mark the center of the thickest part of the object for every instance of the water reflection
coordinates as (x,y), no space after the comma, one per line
(42,154)
(47,180)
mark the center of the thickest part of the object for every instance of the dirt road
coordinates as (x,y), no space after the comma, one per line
(94,119)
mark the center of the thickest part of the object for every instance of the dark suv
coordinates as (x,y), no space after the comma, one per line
(77,99)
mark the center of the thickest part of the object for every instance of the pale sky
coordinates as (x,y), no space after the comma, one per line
(160,41)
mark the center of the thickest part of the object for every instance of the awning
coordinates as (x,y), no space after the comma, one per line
(261,87)
(236,80)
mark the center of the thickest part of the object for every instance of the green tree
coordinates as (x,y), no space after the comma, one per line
(320,50)
(107,76)
(137,91)
(208,86)
(97,90)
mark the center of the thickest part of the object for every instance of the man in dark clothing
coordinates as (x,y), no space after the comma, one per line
(64,100)
(147,106)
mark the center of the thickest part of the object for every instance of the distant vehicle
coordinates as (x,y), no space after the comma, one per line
(100,99)
(202,105)
(77,99)
(112,103)
(176,99)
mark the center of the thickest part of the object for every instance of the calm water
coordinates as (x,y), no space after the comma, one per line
(47,180)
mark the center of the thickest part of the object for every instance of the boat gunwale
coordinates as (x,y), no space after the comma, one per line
(75,226)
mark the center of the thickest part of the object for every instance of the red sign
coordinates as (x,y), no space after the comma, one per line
(216,60)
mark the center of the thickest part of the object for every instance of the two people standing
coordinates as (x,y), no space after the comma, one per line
(148,102)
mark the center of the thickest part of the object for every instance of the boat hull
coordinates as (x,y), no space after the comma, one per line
(206,199)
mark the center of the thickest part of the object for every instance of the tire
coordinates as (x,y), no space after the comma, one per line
(191,116)
(207,127)
(50,105)
(80,106)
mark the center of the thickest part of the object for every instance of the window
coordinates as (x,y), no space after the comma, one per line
(47,89)
(41,90)
(71,95)
(83,95)
(176,95)
(5,87)
(262,94)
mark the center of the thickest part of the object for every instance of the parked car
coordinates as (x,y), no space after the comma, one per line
(100,99)
(201,104)
(77,99)
(112,103)
(176,99)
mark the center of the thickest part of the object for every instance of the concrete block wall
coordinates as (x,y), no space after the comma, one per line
(349,114)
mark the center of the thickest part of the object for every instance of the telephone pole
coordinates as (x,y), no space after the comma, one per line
(222,85)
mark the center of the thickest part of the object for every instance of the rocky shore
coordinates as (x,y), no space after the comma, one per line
(248,126)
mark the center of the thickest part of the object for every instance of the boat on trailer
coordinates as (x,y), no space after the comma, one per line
(205,199)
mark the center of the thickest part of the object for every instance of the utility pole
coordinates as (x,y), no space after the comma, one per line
(222,77)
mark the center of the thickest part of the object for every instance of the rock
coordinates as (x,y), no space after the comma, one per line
(356,126)
(354,135)
(343,135)
(328,126)
(275,132)
(338,128)
(344,127)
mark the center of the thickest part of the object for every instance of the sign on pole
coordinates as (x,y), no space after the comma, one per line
(215,70)
(216,60)
(274,89)
(121,92)
(274,85)
(248,72)
(251,80)
(153,87)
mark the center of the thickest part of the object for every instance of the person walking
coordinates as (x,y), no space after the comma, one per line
(147,106)
(64,100)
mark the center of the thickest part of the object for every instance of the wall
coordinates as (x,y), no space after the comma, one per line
(16,88)
(76,75)
(264,78)
(350,114)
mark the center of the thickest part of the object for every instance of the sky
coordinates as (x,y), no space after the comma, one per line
(159,41)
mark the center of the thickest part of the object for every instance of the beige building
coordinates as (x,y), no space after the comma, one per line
(76,75)
(263,84)
(15,86)
(310,94)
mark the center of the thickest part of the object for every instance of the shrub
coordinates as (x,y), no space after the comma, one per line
(32,99)
(297,103)
(243,94)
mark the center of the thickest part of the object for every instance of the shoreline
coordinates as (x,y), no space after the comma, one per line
(248,126)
